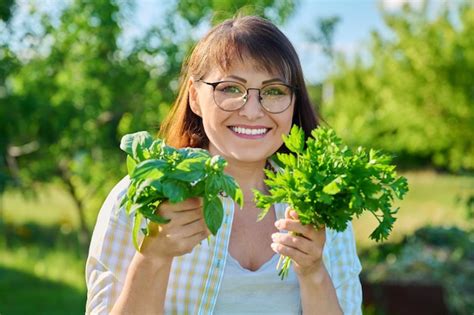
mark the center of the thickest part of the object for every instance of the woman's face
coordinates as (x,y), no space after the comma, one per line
(249,134)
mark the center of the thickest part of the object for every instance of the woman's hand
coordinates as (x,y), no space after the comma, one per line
(179,236)
(303,244)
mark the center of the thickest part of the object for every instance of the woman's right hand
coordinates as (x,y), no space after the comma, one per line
(179,236)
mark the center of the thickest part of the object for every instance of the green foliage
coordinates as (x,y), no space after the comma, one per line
(6,9)
(219,10)
(411,93)
(328,184)
(325,29)
(433,255)
(73,91)
(162,173)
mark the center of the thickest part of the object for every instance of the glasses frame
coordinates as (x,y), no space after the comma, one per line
(245,97)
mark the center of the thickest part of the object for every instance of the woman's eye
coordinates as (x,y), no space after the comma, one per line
(231,89)
(274,92)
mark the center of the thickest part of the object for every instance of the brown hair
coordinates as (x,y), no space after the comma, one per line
(242,37)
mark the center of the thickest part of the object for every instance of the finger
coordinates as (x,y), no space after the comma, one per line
(295,226)
(188,230)
(197,237)
(294,215)
(184,218)
(186,205)
(300,243)
(189,204)
(173,211)
(298,256)
(187,244)
(291,214)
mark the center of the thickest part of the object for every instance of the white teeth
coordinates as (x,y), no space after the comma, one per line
(247,131)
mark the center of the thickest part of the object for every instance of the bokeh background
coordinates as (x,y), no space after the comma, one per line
(75,76)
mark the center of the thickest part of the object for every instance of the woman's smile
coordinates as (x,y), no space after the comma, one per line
(249,132)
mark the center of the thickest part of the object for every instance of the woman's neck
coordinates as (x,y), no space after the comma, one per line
(249,176)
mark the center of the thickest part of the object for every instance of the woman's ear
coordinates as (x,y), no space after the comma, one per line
(193,98)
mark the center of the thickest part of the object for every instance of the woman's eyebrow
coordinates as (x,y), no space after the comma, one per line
(263,82)
(273,80)
(237,78)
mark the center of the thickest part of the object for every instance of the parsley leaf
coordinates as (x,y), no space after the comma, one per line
(328,184)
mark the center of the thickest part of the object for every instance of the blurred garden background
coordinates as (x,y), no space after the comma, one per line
(71,85)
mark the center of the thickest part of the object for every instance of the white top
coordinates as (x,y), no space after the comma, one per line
(246,292)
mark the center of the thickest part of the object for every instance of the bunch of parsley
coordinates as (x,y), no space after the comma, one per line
(328,184)
(159,172)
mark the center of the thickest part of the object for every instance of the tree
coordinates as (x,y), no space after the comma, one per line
(412,93)
(77,93)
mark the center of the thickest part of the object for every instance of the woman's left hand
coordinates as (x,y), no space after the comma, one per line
(304,245)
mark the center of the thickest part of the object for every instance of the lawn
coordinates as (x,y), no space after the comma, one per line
(42,264)
(434,199)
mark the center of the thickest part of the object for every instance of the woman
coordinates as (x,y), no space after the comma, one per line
(241,90)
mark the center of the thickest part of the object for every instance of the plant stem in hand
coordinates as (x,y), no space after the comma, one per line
(285,269)
(285,262)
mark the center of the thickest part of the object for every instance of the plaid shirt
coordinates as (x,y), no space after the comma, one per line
(195,277)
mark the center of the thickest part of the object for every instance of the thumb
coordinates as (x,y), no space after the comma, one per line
(290,213)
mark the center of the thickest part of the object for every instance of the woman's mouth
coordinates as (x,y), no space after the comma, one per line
(249,133)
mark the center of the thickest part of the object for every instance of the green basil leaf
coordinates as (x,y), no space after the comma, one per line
(232,189)
(189,170)
(150,213)
(137,149)
(126,143)
(131,163)
(149,169)
(136,229)
(212,185)
(142,137)
(213,214)
(175,191)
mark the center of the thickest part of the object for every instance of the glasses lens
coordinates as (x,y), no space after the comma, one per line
(276,97)
(229,95)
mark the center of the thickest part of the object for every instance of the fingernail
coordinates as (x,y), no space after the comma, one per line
(273,245)
(277,224)
(274,236)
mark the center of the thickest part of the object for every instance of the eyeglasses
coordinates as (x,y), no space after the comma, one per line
(231,96)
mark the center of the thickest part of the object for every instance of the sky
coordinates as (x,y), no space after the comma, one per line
(358,18)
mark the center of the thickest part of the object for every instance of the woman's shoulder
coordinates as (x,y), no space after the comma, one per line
(119,190)
(111,206)
(345,236)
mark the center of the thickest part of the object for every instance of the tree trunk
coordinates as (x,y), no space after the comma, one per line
(84,233)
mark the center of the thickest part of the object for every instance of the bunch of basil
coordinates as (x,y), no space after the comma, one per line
(159,172)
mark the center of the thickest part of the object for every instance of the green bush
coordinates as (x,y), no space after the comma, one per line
(437,255)
(411,93)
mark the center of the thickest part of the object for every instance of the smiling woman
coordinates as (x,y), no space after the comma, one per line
(241,90)
(235,121)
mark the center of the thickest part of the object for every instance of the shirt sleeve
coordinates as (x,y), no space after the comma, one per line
(346,268)
(110,253)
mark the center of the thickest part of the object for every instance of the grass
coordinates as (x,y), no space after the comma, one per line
(52,205)
(35,281)
(43,264)
(433,199)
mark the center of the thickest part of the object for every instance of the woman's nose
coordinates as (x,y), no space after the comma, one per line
(252,108)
